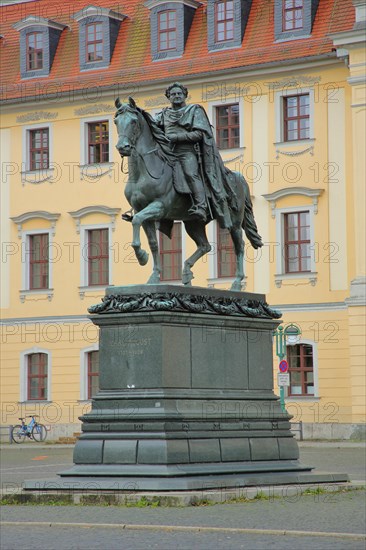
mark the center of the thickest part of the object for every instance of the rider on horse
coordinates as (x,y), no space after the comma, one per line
(189,130)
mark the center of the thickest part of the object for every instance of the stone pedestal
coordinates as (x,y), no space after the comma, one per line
(186,396)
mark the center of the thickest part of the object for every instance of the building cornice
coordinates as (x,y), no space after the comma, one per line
(254,71)
(95,209)
(150,4)
(272,198)
(97,11)
(36,214)
(33,20)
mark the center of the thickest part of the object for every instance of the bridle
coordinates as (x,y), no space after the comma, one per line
(133,146)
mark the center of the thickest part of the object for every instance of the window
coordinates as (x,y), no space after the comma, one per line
(98,257)
(301,369)
(297,242)
(170,23)
(293,19)
(98,33)
(34,51)
(37,368)
(296,117)
(94,42)
(93,373)
(38,261)
(224,20)
(293,15)
(171,254)
(167,30)
(227,126)
(226,259)
(39,149)
(98,142)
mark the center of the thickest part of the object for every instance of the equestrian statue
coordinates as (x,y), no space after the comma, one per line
(175,172)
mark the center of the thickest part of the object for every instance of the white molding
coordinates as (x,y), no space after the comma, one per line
(150,4)
(95,209)
(33,20)
(97,11)
(272,198)
(23,378)
(84,370)
(36,214)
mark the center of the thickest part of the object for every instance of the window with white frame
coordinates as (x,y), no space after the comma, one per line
(293,19)
(96,257)
(89,372)
(37,147)
(95,140)
(295,234)
(302,362)
(35,375)
(36,264)
(294,110)
(228,122)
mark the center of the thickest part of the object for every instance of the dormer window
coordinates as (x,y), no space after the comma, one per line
(226,22)
(94,42)
(34,51)
(167,30)
(293,15)
(170,23)
(98,31)
(39,39)
(294,18)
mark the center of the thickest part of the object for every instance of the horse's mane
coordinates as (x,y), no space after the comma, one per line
(159,136)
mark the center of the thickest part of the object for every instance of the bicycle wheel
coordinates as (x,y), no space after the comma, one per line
(39,432)
(17,434)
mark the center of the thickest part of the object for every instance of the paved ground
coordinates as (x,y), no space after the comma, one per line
(317,520)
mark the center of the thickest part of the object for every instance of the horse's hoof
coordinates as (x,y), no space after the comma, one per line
(154,280)
(236,286)
(187,278)
(142,257)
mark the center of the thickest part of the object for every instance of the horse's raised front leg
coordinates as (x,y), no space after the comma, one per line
(153,211)
(197,231)
(237,238)
(150,230)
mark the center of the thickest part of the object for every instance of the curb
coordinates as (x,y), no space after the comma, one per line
(289,493)
(201,529)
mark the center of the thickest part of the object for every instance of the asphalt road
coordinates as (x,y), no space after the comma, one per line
(318,520)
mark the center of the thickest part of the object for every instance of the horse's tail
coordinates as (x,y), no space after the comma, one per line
(249,225)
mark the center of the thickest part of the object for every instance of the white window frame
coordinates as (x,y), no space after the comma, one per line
(211,113)
(279,116)
(24,374)
(44,172)
(315,375)
(84,371)
(84,139)
(84,280)
(25,263)
(280,238)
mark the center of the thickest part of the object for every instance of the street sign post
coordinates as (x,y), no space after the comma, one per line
(283,366)
(283,379)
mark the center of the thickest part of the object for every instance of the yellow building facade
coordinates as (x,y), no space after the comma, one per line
(73,199)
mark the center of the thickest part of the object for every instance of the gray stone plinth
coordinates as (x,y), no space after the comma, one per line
(186,394)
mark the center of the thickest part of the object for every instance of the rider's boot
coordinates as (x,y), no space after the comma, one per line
(223,214)
(198,210)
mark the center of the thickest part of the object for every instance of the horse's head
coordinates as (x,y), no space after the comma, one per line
(127,120)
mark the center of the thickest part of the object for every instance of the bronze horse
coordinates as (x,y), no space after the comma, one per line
(152,196)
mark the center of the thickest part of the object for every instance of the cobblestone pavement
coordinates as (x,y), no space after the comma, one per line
(316,520)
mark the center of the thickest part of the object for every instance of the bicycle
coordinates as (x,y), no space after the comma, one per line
(33,430)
